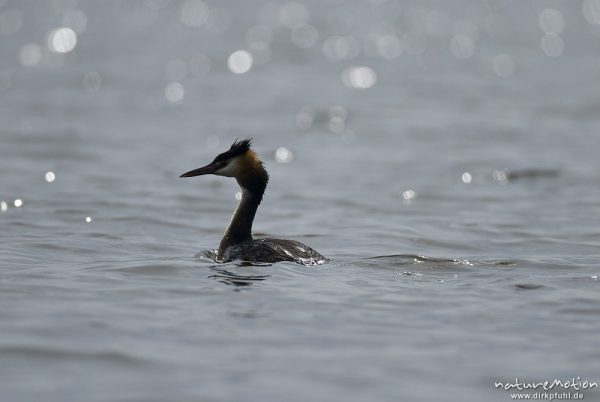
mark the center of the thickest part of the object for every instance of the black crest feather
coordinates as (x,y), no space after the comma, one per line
(239,147)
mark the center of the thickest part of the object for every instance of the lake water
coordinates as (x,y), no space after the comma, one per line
(444,155)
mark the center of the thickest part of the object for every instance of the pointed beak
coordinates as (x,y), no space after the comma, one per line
(208,169)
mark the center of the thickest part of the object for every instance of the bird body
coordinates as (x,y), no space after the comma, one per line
(242,163)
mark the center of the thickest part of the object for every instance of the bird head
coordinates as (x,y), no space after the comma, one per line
(239,161)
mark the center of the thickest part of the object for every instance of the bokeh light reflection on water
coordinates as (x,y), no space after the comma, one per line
(239,62)
(361,77)
(76,20)
(174,92)
(591,11)
(409,196)
(30,55)
(283,155)
(62,40)
(503,65)
(552,45)
(49,177)
(194,13)
(551,21)
(462,46)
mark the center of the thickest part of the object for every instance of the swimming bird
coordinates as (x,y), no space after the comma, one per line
(243,164)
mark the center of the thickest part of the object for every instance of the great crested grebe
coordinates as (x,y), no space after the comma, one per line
(241,162)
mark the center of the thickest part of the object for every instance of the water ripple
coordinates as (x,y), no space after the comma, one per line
(40,352)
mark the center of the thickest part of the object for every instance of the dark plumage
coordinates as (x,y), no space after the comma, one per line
(243,164)
(239,147)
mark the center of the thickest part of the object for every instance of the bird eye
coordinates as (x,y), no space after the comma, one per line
(219,163)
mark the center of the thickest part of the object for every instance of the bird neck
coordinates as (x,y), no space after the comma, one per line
(240,227)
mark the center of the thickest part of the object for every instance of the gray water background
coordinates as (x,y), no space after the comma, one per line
(447,272)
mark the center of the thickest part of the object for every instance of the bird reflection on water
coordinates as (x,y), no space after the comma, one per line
(228,277)
(231,278)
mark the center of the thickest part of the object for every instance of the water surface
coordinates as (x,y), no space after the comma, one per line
(452,180)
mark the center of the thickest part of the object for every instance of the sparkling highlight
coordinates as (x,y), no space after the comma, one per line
(62,40)
(50,176)
(239,62)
